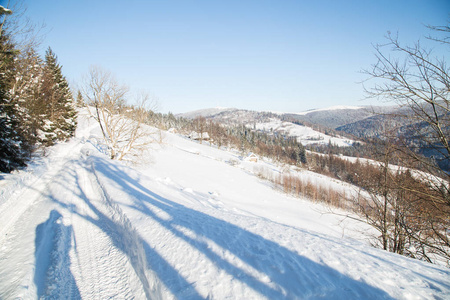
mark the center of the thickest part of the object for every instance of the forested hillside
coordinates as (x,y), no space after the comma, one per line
(36,104)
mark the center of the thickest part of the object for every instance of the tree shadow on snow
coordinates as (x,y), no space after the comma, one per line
(125,238)
(291,275)
(53,277)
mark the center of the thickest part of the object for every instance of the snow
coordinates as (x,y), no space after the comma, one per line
(336,107)
(205,112)
(5,11)
(305,135)
(190,225)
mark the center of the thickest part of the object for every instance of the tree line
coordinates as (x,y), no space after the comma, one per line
(279,147)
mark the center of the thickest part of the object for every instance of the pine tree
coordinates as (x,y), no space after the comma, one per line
(301,154)
(80,101)
(26,95)
(36,106)
(14,148)
(60,120)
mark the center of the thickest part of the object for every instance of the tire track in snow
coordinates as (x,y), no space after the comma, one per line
(102,268)
(21,217)
(117,250)
(66,240)
(14,207)
(132,245)
(24,240)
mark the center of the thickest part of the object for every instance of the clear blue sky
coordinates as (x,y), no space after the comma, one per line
(263,55)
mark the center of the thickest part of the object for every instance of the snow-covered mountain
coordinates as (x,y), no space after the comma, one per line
(304,134)
(331,108)
(192,222)
(337,116)
(207,112)
(331,117)
(281,123)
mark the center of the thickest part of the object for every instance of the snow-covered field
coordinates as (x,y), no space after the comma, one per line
(305,135)
(192,224)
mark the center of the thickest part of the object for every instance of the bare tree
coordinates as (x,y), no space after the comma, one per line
(200,127)
(22,30)
(3,13)
(419,83)
(122,125)
(383,206)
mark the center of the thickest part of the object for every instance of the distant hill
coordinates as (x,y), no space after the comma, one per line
(307,126)
(332,117)
(359,121)
(338,125)
(335,117)
(207,112)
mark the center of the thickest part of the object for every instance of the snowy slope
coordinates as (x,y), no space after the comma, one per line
(331,108)
(207,112)
(305,135)
(271,122)
(188,226)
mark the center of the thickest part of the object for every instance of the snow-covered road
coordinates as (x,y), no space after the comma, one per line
(82,226)
(61,231)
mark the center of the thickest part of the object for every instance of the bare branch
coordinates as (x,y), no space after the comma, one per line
(122,125)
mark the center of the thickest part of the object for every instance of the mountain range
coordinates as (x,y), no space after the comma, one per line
(338,125)
(359,121)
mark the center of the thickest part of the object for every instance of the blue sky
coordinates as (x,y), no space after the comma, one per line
(261,55)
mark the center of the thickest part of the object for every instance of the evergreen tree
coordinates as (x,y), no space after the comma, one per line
(60,120)
(301,154)
(80,101)
(26,94)
(36,106)
(14,148)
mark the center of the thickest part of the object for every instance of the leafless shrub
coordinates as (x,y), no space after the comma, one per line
(122,125)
